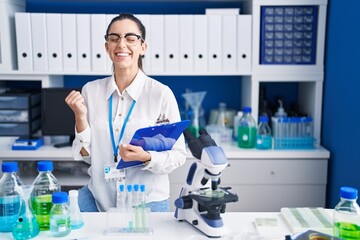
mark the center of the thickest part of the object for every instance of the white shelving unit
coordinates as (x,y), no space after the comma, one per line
(254,174)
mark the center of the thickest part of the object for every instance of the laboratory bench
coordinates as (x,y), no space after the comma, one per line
(253,174)
(239,225)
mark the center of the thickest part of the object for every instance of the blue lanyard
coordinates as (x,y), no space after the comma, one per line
(116,147)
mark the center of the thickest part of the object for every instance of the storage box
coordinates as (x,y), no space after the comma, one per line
(8,59)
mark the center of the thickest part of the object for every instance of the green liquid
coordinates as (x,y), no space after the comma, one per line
(346,230)
(41,206)
(246,137)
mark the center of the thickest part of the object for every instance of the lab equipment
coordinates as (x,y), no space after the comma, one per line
(195,100)
(347,215)
(75,214)
(45,184)
(26,226)
(10,200)
(202,201)
(247,130)
(263,134)
(60,222)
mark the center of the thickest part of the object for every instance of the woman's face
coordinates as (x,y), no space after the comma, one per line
(122,52)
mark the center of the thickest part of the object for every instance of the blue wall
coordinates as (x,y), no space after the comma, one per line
(341,110)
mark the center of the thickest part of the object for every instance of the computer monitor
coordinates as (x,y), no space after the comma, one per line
(57,118)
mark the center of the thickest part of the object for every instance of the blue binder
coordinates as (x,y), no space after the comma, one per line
(156,138)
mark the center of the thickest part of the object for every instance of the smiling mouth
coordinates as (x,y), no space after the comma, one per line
(122,54)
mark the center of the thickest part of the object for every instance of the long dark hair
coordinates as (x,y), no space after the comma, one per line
(123,16)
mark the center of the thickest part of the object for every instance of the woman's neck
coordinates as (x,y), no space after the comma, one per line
(124,77)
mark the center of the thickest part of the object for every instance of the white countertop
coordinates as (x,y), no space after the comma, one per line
(240,227)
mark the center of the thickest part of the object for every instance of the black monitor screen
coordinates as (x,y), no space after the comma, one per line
(57,118)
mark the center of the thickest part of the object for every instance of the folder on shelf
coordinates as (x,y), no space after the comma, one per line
(98,52)
(229,43)
(215,43)
(54,41)
(24,41)
(156,138)
(157,56)
(200,43)
(171,43)
(244,44)
(145,20)
(39,42)
(69,42)
(186,45)
(83,47)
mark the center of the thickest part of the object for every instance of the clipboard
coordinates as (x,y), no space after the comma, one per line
(155,138)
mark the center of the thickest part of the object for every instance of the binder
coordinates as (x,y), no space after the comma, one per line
(155,138)
(69,32)
(39,42)
(98,52)
(54,41)
(83,47)
(24,41)
(229,40)
(109,63)
(157,56)
(244,44)
(200,43)
(186,46)
(215,43)
(145,20)
(172,40)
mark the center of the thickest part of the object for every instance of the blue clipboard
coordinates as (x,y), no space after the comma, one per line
(156,138)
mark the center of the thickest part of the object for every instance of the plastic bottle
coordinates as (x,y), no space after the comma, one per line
(236,124)
(60,215)
(247,130)
(75,214)
(263,134)
(45,184)
(10,200)
(347,215)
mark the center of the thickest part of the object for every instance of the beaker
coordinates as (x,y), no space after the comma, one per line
(26,226)
(195,100)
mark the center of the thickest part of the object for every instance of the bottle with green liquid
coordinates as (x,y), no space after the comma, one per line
(246,130)
(45,184)
(347,215)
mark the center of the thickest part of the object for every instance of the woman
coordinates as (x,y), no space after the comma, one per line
(131,100)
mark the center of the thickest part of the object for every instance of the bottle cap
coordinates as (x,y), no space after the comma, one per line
(246,109)
(263,119)
(44,166)
(73,193)
(59,197)
(348,193)
(142,188)
(136,187)
(9,167)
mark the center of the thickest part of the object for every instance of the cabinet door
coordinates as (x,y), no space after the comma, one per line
(267,185)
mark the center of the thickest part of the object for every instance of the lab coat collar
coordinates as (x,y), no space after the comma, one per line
(134,89)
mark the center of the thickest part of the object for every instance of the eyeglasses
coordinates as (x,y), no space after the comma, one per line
(131,39)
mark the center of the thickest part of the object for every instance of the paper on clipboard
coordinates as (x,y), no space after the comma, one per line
(155,138)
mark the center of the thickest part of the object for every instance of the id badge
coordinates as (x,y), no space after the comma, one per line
(112,174)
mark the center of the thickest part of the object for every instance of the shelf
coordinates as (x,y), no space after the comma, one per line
(42,74)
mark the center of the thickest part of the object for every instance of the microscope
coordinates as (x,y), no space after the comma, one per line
(202,201)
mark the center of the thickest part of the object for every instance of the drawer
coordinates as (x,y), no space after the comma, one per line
(265,171)
(19,129)
(15,116)
(19,101)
